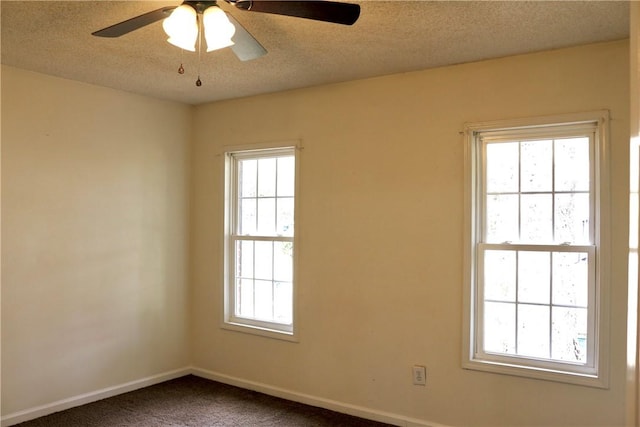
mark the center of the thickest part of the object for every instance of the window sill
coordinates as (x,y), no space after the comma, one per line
(260,331)
(537,373)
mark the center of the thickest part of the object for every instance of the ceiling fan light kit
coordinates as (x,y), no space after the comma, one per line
(182,27)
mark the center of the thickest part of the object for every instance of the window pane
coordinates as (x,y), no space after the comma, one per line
(570,278)
(282,302)
(266,177)
(572,214)
(572,164)
(500,275)
(502,167)
(286,176)
(536,217)
(285,216)
(244,298)
(244,259)
(264,300)
(569,334)
(502,219)
(536,163)
(264,260)
(248,177)
(266,217)
(283,261)
(533,330)
(247,216)
(534,277)
(499,327)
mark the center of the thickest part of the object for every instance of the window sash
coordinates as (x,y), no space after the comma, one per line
(518,136)
(234,315)
(234,173)
(546,363)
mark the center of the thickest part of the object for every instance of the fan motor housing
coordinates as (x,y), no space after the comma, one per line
(200,6)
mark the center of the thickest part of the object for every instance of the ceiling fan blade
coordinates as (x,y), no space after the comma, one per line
(327,11)
(132,24)
(246,47)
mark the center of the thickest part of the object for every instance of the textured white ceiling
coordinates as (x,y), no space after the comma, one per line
(54,37)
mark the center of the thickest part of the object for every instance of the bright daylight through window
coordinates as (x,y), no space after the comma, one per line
(536,250)
(259,240)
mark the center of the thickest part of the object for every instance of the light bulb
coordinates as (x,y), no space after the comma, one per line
(217,29)
(182,27)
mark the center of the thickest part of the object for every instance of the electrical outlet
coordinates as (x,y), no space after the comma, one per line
(419,375)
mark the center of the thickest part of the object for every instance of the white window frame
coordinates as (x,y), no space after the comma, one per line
(595,372)
(230,320)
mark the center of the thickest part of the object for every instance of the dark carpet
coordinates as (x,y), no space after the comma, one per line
(196,402)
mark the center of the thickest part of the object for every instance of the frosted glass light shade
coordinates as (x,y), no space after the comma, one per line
(182,27)
(217,29)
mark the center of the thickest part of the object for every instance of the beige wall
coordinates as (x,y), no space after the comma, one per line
(97,204)
(94,238)
(381,243)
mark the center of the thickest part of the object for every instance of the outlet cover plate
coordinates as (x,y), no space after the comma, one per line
(419,375)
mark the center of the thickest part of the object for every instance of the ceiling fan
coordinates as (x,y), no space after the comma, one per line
(243,44)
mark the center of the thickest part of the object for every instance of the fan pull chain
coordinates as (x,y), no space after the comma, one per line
(181,69)
(199,82)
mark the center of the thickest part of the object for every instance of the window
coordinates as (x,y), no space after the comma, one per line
(537,248)
(259,241)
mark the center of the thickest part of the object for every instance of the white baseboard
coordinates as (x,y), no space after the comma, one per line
(61,405)
(345,408)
